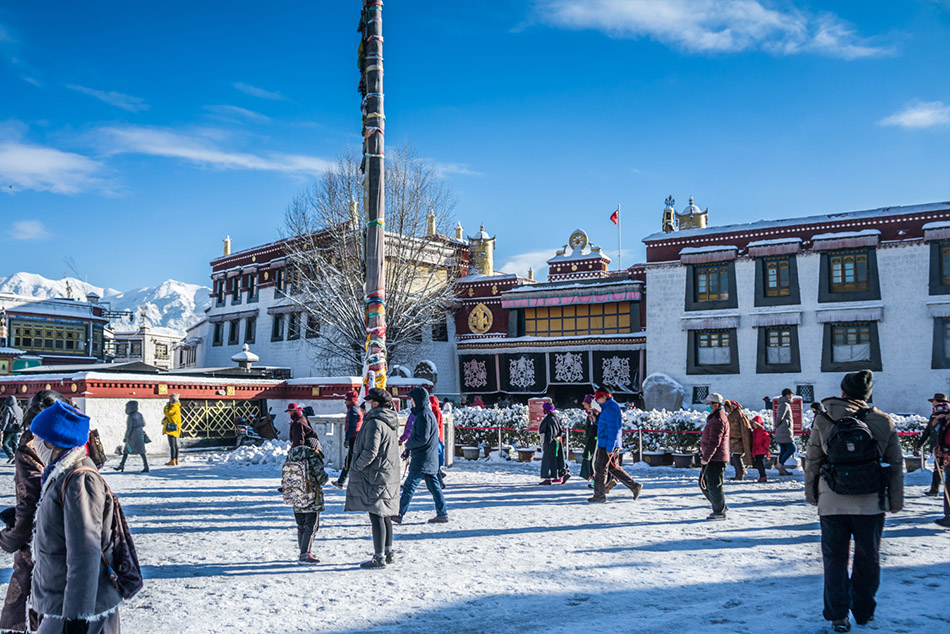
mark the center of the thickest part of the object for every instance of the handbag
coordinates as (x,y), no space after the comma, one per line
(147,439)
(170,426)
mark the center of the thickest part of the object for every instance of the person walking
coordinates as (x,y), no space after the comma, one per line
(16,537)
(374,474)
(354,420)
(134,436)
(590,441)
(11,421)
(434,405)
(929,437)
(845,516)
(609,448)
(740,439)
(302,485)
(940,438)
(423,446)
(553,466)
(761,441)
(71,588)
(784,431)
(171,427)
(714,450)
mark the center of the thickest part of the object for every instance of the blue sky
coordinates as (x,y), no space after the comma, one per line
(133,138)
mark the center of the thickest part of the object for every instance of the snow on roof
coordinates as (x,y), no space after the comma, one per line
(574,256)
(10,351)
(846,234)
(137,378)
(709,249)
(899,210)
(484,278)
(590,284)
(160,331)
(937,225)
(765,243)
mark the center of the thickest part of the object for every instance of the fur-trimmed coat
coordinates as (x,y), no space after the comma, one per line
(69,578)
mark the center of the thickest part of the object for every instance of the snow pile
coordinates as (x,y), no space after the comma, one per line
(271,452)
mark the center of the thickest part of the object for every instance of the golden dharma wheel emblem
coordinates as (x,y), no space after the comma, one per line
(480,319)
(471,291)
(573,267)
(494,289)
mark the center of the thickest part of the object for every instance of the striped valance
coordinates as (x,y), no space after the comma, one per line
(776,319)
(850,314)
(710,323)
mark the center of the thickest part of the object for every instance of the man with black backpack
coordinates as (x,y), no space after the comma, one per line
(853,474)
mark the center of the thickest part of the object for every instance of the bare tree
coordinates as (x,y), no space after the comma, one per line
(325,240)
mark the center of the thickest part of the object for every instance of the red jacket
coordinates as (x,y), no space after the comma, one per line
(714,445)
(761,440)
(434,404)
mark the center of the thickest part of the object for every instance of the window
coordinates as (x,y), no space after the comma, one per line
(849,271)
(279,280)
(293,326)
(313,327)
(59,338)
(251,283)
(777,277)
(940,267)
(217,337)
(945,263)
(234,331)
(778,346)
(712,283)
(713,351)
(236,290)
(440,330)
(850,343)
(277,328)
(250,330)
(161,351)
(700,393)
(135,350)
(219,292)
(850,346)
(807,392)
(585,319)
(713,347)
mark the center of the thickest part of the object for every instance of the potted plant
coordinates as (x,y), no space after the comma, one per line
(526,454)
(471,453)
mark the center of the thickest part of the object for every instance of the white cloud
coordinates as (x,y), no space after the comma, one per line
(712,26)
(919,115)
(462,169)
(25,165)
(521,262)
(117,99)
(28,230)
(202,148)
(226,111)
(254,91)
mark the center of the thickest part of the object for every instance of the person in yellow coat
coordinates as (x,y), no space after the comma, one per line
(171,427)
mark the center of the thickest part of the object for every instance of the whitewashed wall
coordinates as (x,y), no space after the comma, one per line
(108,416)
(906,332)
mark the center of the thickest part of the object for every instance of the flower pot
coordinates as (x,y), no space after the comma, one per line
(683,460)
(658,458)
(458,451)
(635,456)
(911,463)
(488,449)
(471,453)
(526,455)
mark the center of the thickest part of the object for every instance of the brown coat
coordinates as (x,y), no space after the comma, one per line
(740,434)
(714,443)
(884,432)
(17,538)
(69,579)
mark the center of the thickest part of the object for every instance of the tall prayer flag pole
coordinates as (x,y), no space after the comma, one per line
(619,244)
(374,194)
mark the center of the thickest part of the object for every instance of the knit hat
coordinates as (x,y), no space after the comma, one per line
(858,385)
(352,395)
(548,407)
(62,426)
(379,395)
(589,399)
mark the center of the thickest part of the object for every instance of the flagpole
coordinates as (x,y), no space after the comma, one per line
(619,243)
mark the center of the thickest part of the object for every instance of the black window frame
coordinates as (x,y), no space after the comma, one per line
(440,330)
(762,366)
(277,327)
(251,284)
(825,294)
(217,334)
(691,291)
(311,327)
(293,326)
(250,330)
(938,286)
(692,353)
(828,364)
(219,293)
(794,295)
(939,359)
(234,332)
(235,290)
(279,281)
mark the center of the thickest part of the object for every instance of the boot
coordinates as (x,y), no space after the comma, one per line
(390,556)
(932,492)
(841,625)
(611,484)
(782,470)
(170,463)
(144,464)
(176,462)
(338,484)
(308,558)
(121,466)
(635,489)
(943,521)
(597,500)
(762,479)
(378,561)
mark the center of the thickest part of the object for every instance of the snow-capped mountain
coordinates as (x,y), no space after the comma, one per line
(171,304)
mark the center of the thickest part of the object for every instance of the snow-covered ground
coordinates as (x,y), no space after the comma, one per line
(218,548)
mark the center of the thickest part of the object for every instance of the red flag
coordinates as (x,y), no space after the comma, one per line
(615,217)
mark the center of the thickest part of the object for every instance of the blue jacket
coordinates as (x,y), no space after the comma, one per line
(609,426)
(423,443)
(354,420)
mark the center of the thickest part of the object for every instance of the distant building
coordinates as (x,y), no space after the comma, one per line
(153,346)
(749,309)
(53,331)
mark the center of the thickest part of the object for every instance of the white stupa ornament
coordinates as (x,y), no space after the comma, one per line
(245,358)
